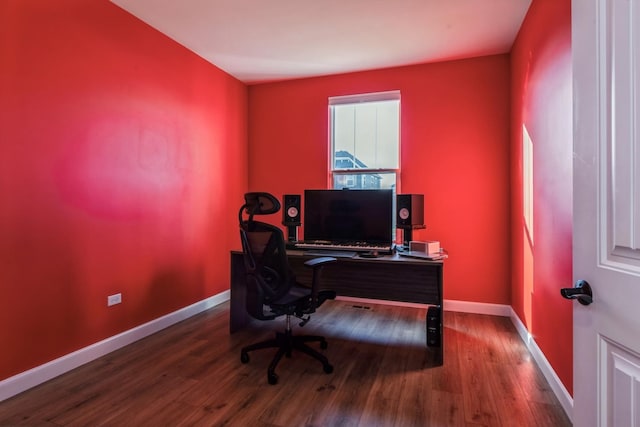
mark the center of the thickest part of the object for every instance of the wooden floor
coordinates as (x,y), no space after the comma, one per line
(191,375)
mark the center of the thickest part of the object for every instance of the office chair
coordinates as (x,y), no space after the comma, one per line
(271,284)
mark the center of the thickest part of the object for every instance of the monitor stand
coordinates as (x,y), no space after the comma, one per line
(407,236)
(292,233)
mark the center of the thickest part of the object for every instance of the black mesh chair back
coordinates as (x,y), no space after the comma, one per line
(268,274)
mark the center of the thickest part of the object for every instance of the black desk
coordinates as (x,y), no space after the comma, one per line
(390,277)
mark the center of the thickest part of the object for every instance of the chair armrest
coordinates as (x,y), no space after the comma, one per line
(316,264)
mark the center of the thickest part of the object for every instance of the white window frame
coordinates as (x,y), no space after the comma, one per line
(355,99)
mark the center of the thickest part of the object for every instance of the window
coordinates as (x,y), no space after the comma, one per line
(365,140)
(527,181)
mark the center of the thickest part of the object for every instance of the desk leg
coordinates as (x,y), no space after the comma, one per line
(238,317)
(435,332)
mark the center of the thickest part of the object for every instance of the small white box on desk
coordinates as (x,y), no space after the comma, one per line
(428,247)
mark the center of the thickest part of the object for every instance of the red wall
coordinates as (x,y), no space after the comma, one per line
(122,164)
(455,150)
(542,101)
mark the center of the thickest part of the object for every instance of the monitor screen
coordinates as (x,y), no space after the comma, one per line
(341,216)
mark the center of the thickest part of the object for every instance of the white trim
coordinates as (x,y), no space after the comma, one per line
(38,375)
(566,401)
(478,308)
(449,305)
(391,95)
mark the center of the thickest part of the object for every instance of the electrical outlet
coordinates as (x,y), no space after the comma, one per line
(114,299)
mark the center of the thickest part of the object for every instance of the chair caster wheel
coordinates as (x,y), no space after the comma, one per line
(323,345)
(272,379)
(327,369)
(244,357)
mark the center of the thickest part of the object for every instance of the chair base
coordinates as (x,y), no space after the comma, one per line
(286,342)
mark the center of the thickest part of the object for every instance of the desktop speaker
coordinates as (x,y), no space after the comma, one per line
(410,210)
(291,209)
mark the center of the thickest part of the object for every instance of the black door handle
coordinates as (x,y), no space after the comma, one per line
(580,291)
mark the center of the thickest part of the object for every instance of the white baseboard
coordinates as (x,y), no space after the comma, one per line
(477,308)
(566,401)
(449,305)
(38,375)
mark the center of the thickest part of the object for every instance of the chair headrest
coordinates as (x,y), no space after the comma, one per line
(259,203)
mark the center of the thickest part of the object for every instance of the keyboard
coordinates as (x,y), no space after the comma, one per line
(355,246)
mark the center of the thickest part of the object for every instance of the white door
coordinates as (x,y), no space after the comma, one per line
(606,191)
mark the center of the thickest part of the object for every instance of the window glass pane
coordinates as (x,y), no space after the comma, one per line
(366,135)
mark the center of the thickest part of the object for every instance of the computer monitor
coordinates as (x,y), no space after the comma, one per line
(344,216)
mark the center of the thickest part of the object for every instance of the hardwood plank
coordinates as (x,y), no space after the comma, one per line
(396,369)
(359,364)
(447,409)
(510,399)
(476,348)
(414,376)
(190,374)
(447,377)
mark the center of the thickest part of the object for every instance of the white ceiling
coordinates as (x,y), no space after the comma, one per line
(267,40)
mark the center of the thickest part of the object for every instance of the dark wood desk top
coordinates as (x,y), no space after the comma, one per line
(395,258)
